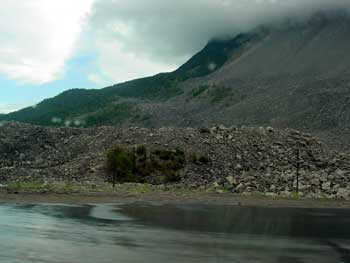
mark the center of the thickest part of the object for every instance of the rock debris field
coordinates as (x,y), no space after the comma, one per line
(240,160)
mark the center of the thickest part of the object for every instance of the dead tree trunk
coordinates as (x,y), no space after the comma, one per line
(114,178)
(298,170)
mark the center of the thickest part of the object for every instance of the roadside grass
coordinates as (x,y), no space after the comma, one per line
(43,187)
(134,188)
(126,188)
(140,189)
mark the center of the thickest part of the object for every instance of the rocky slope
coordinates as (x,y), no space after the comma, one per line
(243,160)
(294,74)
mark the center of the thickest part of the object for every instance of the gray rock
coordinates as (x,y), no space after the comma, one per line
(231,180)
(215,185)
(343,193)
(340,172)
(240,187)
(326,186)
(238,167)
(315,182)
(286,193)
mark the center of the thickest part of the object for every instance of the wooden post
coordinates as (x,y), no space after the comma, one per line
(134,160)
(298,170)
(114,177)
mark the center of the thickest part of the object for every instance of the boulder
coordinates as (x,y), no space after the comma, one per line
(343,193)
(231,180)
(326,186)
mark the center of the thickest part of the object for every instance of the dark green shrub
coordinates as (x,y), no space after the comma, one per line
(168,163)
(141,150)
(171,176)
(120,165)
(194,158)
(203,159)
(159,166)
(166,155)
(180,152)
(199,90)
(204,130)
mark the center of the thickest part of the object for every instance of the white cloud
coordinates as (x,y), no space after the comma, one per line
(38,36)
(7,108)
(130,38)
(118,65)
(95,78)
(136,38)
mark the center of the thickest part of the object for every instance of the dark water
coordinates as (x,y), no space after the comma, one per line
(170,233)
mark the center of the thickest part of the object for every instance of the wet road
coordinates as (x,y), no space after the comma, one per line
(172,233)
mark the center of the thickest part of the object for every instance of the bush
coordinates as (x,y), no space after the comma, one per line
(159,166)
(175,159)
(120,164)
(141,150)
(203,159)
(199,90)
(168,163)
(194,158)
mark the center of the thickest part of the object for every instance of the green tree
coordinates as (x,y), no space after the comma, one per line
(119,164)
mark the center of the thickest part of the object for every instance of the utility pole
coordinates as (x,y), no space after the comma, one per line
(298,169)
(300,148)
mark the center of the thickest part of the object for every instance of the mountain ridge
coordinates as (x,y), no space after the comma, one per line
(160,86)
(296,76)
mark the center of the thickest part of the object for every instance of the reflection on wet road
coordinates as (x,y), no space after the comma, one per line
(172,233)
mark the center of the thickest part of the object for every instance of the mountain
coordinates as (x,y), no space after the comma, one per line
(115,104)
(295,74)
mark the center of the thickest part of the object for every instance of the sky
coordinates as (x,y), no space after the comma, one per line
(48,46)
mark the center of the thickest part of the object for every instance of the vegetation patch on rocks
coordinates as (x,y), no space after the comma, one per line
(141,165)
